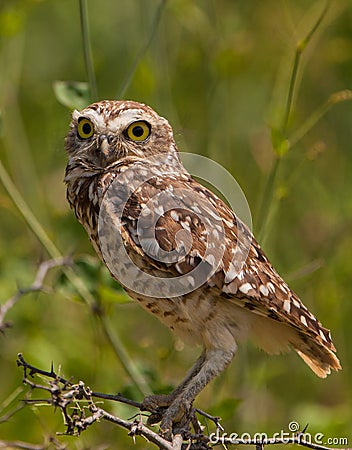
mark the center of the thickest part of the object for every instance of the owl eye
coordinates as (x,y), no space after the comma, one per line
(138,131)
(85,128)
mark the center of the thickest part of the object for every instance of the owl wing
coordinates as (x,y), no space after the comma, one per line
(176,215)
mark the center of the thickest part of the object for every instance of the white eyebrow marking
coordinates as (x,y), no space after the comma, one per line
(91,114)
(125,118)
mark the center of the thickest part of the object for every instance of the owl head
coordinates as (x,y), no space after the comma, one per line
(108,131)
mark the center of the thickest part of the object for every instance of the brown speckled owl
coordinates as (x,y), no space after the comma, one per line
(121,141)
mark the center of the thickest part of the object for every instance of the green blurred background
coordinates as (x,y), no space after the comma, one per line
(219,71)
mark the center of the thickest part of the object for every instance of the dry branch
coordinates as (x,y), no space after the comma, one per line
(36,286)
(79,410)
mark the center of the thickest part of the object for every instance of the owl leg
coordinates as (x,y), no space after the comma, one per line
(154,402)
(176,416)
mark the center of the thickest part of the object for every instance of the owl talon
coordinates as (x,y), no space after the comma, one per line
(155,417)
(177,416)
(154,402)
(172,412)
(157,405)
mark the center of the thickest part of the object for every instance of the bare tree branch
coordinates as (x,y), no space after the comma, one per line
(36,286)
(75,400)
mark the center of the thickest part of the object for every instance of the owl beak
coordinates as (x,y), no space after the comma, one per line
(104,145)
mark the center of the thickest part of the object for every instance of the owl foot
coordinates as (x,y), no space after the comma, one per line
(176,418)
(173,412)
(157,405)
(153,402)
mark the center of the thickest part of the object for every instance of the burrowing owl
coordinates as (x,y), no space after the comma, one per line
(222,288)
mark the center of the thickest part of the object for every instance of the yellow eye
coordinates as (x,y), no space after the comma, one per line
(138,131)
(85,128)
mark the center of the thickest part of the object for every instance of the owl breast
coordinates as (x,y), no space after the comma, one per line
(85,191)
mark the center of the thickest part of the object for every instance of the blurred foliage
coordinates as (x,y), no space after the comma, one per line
(73,94)
(219,71)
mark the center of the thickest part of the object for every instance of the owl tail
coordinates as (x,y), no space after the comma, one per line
(318,357)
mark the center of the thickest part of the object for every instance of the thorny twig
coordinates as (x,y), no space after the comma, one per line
(36,286)
(80,411)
